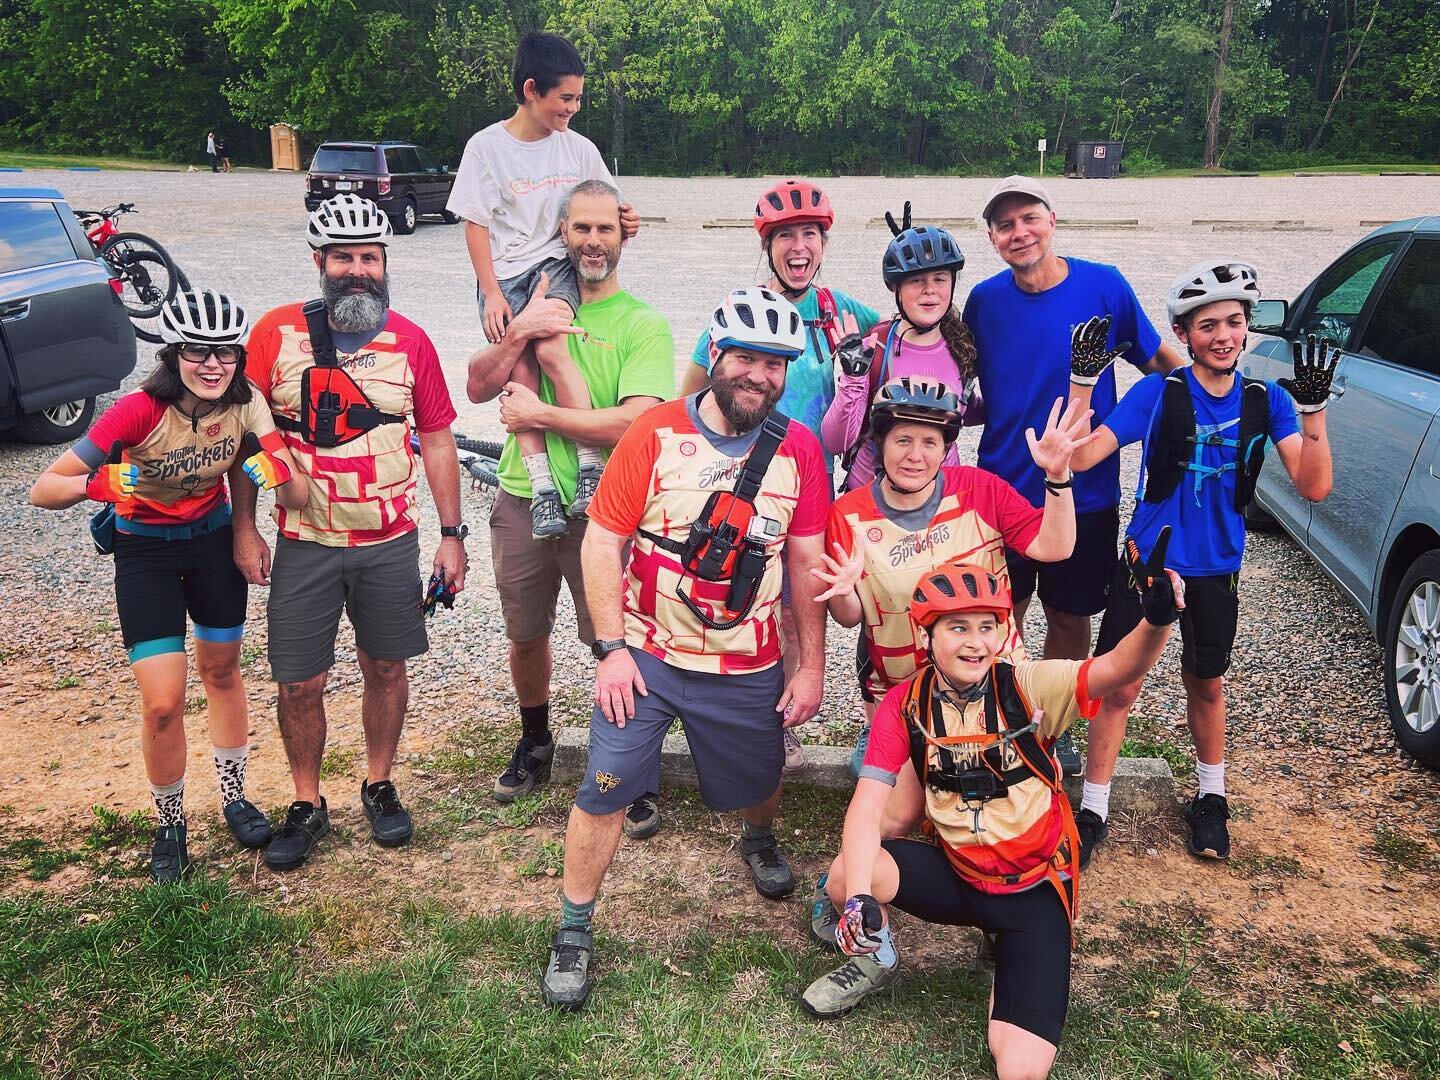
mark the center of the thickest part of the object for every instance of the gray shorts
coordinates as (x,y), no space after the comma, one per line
(378,586)
(562,284)
(528,572)
(730,723)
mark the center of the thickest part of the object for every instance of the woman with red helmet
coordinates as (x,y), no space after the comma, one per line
(974,735)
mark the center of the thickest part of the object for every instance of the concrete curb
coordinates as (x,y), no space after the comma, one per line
(1143,786)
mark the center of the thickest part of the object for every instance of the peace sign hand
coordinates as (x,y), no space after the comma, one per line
(1314,369)
(1063,436)
(841,573)
(1162,591)
(1089,355)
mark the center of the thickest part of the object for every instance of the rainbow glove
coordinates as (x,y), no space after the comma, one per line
(264,469)
(114,481)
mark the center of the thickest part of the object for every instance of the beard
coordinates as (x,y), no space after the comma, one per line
(352,312)
(594,277)
(742,419)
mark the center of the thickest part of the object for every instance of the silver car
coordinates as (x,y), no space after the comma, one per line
(1378,534)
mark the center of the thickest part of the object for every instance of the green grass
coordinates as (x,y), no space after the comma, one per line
(67,682)
(1400,851)
(1368,169)
(204,980)
(337,762)
(25,159)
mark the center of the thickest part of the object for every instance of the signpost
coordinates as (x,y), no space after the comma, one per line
(1041,147)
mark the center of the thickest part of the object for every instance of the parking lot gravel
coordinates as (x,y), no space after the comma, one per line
(1306,698)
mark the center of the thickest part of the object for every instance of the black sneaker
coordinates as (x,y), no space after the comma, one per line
(642,817)
(390,822)
(247,824)
(168,858)
(566,982)
(1070,763)
(529,766)
(1209,837)
(1093,829)
(768,868)
(305,826)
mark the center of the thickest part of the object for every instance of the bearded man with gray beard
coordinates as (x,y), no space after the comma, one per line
(346,377)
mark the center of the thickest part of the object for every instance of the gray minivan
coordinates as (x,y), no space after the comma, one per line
(64,336)
(1378,534)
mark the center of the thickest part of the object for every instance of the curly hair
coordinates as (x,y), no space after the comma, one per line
(961,344)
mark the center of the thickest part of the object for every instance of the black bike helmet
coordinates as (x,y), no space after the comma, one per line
(918,401)
(923,247)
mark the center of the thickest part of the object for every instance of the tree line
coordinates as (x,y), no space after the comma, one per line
(744,86)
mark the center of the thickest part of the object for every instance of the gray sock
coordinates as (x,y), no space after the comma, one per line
(754,832)
(230,768)
(575,916)
(170,802)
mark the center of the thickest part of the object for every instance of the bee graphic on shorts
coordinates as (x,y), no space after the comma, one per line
(606,782)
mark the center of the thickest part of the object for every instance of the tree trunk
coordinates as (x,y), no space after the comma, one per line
(915,145)
(617,121)
(1340,86)
(1212,119)
(1324,51)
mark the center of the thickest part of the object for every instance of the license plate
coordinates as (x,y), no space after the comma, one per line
(343,185)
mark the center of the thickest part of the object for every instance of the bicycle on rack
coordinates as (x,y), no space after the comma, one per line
(478,457)
(147,274)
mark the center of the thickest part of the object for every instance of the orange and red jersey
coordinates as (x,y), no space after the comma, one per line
(664,469)
(975,516)
(182,461)
(364,491)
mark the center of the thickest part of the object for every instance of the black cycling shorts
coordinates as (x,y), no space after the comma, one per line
(1207,625)
(157,582)
(1077,585)
(1031,928)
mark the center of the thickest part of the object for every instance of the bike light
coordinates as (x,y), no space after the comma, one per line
(384,185)
(118,286)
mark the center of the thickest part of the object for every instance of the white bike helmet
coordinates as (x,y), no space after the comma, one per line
(756,318)
(347,219)
(203,318)
(1209,281)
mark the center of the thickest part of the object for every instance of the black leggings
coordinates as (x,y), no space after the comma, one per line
(1031,928)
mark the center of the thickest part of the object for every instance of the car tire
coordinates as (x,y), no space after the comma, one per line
(1412,661)
(404,221)
(61,423)
(448,218)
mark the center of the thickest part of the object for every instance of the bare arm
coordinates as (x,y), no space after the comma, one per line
(477,242)
(617,678)
(801,700)
(490,368)
(860,843)
(62,485)
(1091,454)
(1306,457)
(1056,538)
(694,380)
(522,410)
(1130,660)
(442,473)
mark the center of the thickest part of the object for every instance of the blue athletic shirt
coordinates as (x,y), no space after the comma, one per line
(810,380)
(1207,534)
(1024,365)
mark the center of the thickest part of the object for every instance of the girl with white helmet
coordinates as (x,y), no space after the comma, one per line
(157,462)
(1204,431)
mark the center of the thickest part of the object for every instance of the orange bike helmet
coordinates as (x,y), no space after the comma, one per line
(792,202)
(954,587)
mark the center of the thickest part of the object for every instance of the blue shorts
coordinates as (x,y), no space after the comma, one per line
(730,723)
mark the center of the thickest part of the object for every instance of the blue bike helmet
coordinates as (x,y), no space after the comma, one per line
(923,247)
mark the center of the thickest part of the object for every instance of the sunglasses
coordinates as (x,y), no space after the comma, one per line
(226,354)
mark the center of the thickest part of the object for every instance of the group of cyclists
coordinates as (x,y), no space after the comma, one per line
(704,542)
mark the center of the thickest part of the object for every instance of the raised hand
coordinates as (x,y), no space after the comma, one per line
(1089,351)
(1314,370)
(1162,591)
(265,470)
(853,353)
(858,931)
(841,573)
(1063,435)
(113,481)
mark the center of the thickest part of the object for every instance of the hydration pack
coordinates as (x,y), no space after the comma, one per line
(1175,447)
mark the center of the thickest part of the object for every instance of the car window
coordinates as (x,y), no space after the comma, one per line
(1405,328)
(395,160)
(346,159)
(427,163)
(1341,292)
(32,234)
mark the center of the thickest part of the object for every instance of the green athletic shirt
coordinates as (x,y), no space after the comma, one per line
(629,353)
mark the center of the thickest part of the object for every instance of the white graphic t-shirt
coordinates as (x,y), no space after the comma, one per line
(515,189)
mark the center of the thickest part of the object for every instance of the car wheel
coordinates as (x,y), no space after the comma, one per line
(60,423)
(448,218)
(1412,661)
(405,223)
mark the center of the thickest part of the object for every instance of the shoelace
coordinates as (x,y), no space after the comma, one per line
(769,856)
(547,511)
(295,818)
(517,767)
(386,797)
(847,976)
(567,958)
(586,484)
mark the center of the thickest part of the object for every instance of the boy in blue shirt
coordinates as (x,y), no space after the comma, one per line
(1204,431)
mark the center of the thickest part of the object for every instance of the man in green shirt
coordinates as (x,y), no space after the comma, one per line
(626,354)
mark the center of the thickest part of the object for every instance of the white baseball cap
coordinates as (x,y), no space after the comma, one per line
(1015,185)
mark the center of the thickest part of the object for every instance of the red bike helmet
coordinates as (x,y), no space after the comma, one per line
(954,587)
(792,202)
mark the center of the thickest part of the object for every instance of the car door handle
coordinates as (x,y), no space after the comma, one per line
(14,312)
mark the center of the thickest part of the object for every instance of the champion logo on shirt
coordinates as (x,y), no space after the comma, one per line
(525,186)
(915,543)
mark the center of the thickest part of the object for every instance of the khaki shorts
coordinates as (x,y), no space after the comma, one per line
(378,586)
(528,572)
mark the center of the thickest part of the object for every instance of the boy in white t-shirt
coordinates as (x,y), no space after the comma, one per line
(510,189)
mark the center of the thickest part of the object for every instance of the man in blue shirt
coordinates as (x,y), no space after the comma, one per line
(1203,431)
(1023,319)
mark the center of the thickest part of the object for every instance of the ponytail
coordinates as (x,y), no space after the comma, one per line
(961,344)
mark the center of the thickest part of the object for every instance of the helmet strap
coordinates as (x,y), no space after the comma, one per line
(885,477)
(914,323)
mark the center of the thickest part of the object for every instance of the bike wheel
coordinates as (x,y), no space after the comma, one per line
(478,446)
(148,274)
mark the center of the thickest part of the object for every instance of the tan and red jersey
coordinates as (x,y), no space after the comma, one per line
(664,469)
(976,517)
(182,460)
(364,491)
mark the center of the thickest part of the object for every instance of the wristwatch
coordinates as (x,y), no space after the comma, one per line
(459,532)
(602,649)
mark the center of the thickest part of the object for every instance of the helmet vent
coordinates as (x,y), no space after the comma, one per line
(797,201)
(774,200)
(971,585)
(747,314)
(943,586)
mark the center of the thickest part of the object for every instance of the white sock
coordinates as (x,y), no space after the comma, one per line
(590,457)
(169,802)
(230,768)
(1096,798)
(1211,777)
(537,466)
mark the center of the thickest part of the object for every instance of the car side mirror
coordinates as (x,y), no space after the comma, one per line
(1269,316)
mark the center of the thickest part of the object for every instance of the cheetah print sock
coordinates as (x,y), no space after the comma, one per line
(230,767)
(170,802)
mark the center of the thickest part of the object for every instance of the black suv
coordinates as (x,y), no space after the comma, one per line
(402,178)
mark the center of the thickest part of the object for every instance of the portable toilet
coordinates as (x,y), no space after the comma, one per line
(284,147)
(1093,159)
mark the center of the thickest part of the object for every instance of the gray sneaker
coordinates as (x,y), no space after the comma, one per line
(529,767)
(823,917)
(567,975)
(768,868)
(585,487)
(834,995)
(642,817)
(1068,754)
(547,516)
